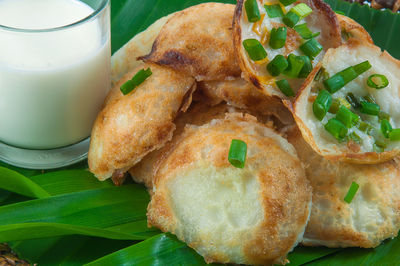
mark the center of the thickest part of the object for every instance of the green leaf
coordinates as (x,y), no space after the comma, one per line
(68,250)
(301,254)
(97,208)
(68,181)
(15,182)
(163,249)
(383,26)
(22,231)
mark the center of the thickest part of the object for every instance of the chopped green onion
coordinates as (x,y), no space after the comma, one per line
(379,146)
(287,2)
(334,83)
(307,68)
(254,49)
(322,104)
(352,100)
(277,65)
(305,32)
(383,115)
(364,127)
(347,117)
(394,135)
(355,137)
(336,129)
(362,67)
(344,102)
(253,14)
(334,107)
(302,10)
(369,98)
(291,19)
(377,81)
(340,79)
(351,192)
(370,108)
(237,153)
(138,79)
(277,37)
(311,48)
(285,88)
(274,11)
(295,66)
(386,128)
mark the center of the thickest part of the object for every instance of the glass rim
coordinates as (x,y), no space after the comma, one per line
(91,16)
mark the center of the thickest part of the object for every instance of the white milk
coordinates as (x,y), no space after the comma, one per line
(53,83)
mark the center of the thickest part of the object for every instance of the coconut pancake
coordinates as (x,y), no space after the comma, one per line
(254,215)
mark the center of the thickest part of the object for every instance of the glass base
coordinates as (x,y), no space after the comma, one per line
(44,159)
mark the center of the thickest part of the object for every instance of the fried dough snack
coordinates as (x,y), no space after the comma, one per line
(131,126)
(254,215)
(371,217)
(198,41)
(322,20)
(242,94)
(388,98)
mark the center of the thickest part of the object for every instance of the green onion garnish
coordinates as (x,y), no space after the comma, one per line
(321,75)
(311,48)
(237,153)
(364,127)
(305,32)
(355,137)
(347,117)
(285,88)
(291,19)
(287,2)
(351,192)
(370,108)
(362,67)
(386,128)
(394,135)
(336,129)
(340,79)
(274,11)
(377,81)
(340,12)
(369,98)
(254,49)
(334,107)
(334,83)
(344,102)
(253,14)
(277,65)
(307,67)
(295,66)
(383,115)
(379,146)
(302,10)
(322,104)
(277,37)
(138,79)
(352,100)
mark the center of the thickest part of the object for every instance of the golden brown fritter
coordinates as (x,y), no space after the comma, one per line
(371,217)
(242,94)
(198,41)
(198,114)
(353,52)
(322,20)
(350,29)
(131,126)
(254,215)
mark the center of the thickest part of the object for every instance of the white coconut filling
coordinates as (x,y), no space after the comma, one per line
(383,97)
(269,24)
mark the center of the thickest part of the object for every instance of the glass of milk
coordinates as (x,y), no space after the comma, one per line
(54,76)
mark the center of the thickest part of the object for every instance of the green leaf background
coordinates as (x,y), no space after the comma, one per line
(67,217)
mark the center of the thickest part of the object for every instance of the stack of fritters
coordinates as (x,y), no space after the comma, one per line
(173,133)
